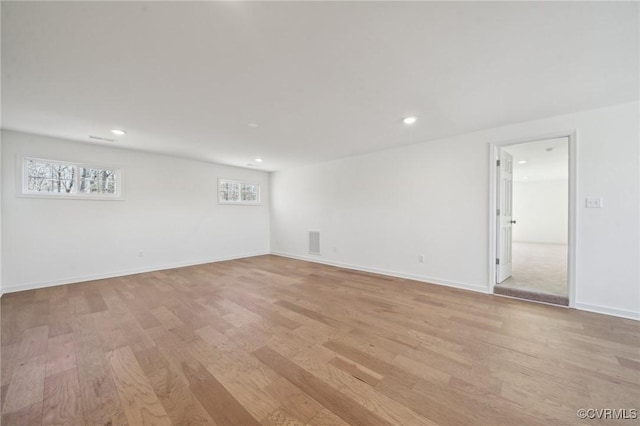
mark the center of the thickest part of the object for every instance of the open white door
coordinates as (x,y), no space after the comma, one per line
(505,219)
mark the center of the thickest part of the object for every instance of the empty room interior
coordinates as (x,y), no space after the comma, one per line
(320,213)
(539,222)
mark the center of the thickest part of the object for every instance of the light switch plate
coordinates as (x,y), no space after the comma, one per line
(593,203)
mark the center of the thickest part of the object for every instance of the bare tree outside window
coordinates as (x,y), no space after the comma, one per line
(63,176)
(52,177)
(97,181)
(229,191)
(234,192)
(39,175)
(249,192)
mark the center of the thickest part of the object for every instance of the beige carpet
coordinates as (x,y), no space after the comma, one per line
(539,273)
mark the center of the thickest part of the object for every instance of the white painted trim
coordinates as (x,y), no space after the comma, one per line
(494,152)
(608,311)
(573,218)
(494,155)
(83,278)
(395,274)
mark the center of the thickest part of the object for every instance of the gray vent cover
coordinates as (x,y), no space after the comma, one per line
(98,138)
(314,242)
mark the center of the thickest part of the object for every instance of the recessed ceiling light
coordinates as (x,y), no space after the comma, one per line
(254,125)
(258,160)
(522,162)
(118,132)
(409,120)
(525,178)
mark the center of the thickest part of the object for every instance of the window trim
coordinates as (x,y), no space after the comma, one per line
(23,180)
(240,202)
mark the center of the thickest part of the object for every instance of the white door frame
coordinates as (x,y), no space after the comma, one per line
(494,152)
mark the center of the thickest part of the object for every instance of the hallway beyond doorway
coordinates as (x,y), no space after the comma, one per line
(539,273)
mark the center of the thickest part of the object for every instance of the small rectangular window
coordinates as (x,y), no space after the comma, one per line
(229,192)
(250,192)
(98,181)
(50,177)
(235,192)
(60,179)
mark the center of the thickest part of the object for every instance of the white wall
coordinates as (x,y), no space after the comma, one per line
(381,210)
(170,212)
(541,211)
(1,208)
(0,169)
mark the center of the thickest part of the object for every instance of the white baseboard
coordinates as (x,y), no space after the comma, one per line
(581,306)
(396,274)
(83,278)
(608,311)
(480,289)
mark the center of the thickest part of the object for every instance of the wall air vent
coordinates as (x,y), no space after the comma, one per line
(98,138)
(314,242)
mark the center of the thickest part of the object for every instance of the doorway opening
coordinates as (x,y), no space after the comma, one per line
(533,213)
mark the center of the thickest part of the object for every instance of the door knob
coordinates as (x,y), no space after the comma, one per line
(512,221)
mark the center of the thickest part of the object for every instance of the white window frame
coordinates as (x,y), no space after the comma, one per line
(23,180)
(240,202)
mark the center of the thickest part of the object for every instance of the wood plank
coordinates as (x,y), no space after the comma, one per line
(62,399)
(269,340)
(34,342)
(139,401)
(181,405)
(381,405)
(3,394)
(281,417)
(150,360)
(31,415)
(220,404)
(59,322)
(629,363)
(313,315)
(61,354)
(266,313)
(241,375)
(326,417)
(8,354)
(358,371)
(343,406)
(293,400)
(27,384)
(144,317)
(95,302)
(99,396)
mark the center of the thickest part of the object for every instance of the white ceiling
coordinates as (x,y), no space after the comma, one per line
(545,160)
(322,80)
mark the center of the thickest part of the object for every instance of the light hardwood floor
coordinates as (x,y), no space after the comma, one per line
(274,341)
